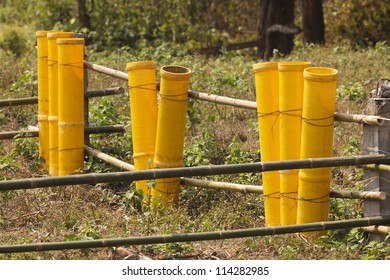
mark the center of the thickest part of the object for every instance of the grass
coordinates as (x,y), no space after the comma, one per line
(215,135)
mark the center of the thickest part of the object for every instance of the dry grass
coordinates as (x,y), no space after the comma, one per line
(108,211)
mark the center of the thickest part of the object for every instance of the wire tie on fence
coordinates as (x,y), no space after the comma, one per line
(173,97)
(275,195)
(290,112)
(74,64)
(285,195)
(144,86)
(316,199)
(313,121)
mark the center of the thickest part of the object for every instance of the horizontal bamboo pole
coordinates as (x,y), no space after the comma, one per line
(18,101)
(192,237)
(129,176)
(109,159)
(259,189)
(256,189)
(377,229)
(88,130)
(378,167)
(34,100)
(239,103)
(105,70)
(104,92)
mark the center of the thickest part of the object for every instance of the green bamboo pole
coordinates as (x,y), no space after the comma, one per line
(239,103)
(34,100)
(89,130)
(255,189)
(377,229)
(192,237)
(378,167)
(129,176)
(18,101)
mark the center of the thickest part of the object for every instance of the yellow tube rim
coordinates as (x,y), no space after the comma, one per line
(320,74)
(70,41)
(175,73)
(41,33)
(293,65)
(265,66)
(140,65)
(55,34)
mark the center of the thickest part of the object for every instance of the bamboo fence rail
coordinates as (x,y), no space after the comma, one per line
(378,167)
(35,132)
(34,100)
(245,104)
(256,189)
(192,237)
(129,176)
(377,229)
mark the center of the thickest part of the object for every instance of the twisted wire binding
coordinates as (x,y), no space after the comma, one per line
(143,86)
(51,62)
(275,195)
(172,97)
(314,200)
(289,113)
(74,64)
(312,121)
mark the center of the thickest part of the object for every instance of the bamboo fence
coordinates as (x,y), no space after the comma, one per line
(129,176)
(192,237)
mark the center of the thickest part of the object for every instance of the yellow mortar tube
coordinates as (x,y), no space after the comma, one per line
(267,97)
(143,111)
(70,105)
(170,130)
(43,98)
(290,122)
(53,97)
(316,141)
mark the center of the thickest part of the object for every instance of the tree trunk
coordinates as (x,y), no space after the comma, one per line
(276,27)
(313,22)
(82,15)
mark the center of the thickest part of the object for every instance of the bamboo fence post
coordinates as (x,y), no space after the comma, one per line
(170,130)
(317,141)
(70,105)
(290,123)
(43,97)
(53,97)
(143,112)
(267,98)
(86,104)
(376,141)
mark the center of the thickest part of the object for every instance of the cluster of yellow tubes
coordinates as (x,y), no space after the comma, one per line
(296,105)
(60,59)
(158,133)
(295,114)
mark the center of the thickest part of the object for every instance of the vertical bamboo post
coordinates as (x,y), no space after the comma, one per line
(43,98)
(53,97)
(316,141)
(267,98)
(143,112)
(70,105)
(290,122)
(86,104)
(170,130)
(376,141)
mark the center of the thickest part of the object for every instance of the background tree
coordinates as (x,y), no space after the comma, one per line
(276,27)
(313,22)
(83,15)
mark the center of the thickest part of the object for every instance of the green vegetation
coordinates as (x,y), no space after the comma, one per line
(215,135)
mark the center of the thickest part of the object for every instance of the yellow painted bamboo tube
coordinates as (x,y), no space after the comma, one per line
(53,97)
(317,141)
(267,98)
(290,122)
(170,130)
(70,105)
(43,98)
(143,112)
